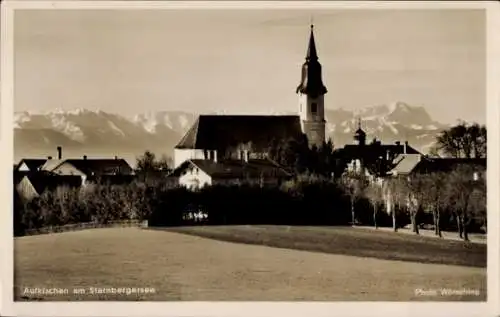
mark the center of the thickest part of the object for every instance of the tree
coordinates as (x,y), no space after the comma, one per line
(378,162)
(462,141)
(415,191)
(148,165)
(435,198)
(164,163)
(394,191)
(356,186)
(461,188)
(146,162)
(374,194)
(292,153)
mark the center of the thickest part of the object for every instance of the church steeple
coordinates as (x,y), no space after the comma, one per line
(360,135)
(311,49)
(311,82)
(311,93)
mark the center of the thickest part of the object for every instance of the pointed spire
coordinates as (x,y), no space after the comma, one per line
(311,50)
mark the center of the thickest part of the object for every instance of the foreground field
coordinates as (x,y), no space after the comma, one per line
(186,267)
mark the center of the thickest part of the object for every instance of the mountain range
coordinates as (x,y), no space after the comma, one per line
(98,133)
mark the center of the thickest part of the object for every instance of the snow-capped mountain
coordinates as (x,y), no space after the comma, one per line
(84,132)
(389,123)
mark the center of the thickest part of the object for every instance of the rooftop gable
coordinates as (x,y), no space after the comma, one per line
(30,164)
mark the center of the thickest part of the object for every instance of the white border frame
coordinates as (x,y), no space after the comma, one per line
(10,308)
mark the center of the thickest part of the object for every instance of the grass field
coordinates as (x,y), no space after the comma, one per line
(349,241)
(186,267)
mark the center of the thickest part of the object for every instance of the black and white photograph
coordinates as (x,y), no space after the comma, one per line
(253,154)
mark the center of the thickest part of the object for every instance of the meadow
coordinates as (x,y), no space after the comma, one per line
(251,263)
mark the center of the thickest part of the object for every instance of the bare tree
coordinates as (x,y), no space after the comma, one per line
(374,194)
(416,192)
(435,198)
(356,185)
(462,140)
(460,193)
(393,196)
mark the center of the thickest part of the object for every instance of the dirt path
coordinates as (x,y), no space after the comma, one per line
(183,267)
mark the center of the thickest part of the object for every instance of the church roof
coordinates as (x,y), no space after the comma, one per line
(220,132)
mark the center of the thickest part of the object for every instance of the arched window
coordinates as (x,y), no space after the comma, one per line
(314,108)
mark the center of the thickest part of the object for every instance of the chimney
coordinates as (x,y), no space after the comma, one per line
(116,157)
(49,157)
(246,155)
(59,152)
(215,156)
(404,147)
(398,143)
(85,157)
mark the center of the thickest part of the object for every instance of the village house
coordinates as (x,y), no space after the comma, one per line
(197,173)
(87,170)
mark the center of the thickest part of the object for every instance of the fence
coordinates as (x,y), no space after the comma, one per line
(86,225)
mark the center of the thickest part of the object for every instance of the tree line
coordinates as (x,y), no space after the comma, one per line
(322,193)
(452,201)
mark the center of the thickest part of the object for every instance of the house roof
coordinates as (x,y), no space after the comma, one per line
(18,176)
(405,163)
(47,181)
(50,165)
(220,132)
(33,164)
(99,166)
(446,164)
(254,168)
(356,151)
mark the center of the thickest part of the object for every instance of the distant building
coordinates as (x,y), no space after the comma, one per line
(375,159)
(223,137)
(433,165)
(114,170)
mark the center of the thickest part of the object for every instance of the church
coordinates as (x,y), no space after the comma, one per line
(219,138)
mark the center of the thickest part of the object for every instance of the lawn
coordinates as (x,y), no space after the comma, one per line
(349,241)
(187,267)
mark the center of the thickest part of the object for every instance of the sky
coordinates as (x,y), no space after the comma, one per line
(248,61)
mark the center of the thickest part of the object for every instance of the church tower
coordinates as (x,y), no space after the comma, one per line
(311,93)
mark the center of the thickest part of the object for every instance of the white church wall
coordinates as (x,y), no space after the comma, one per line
(181,155)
